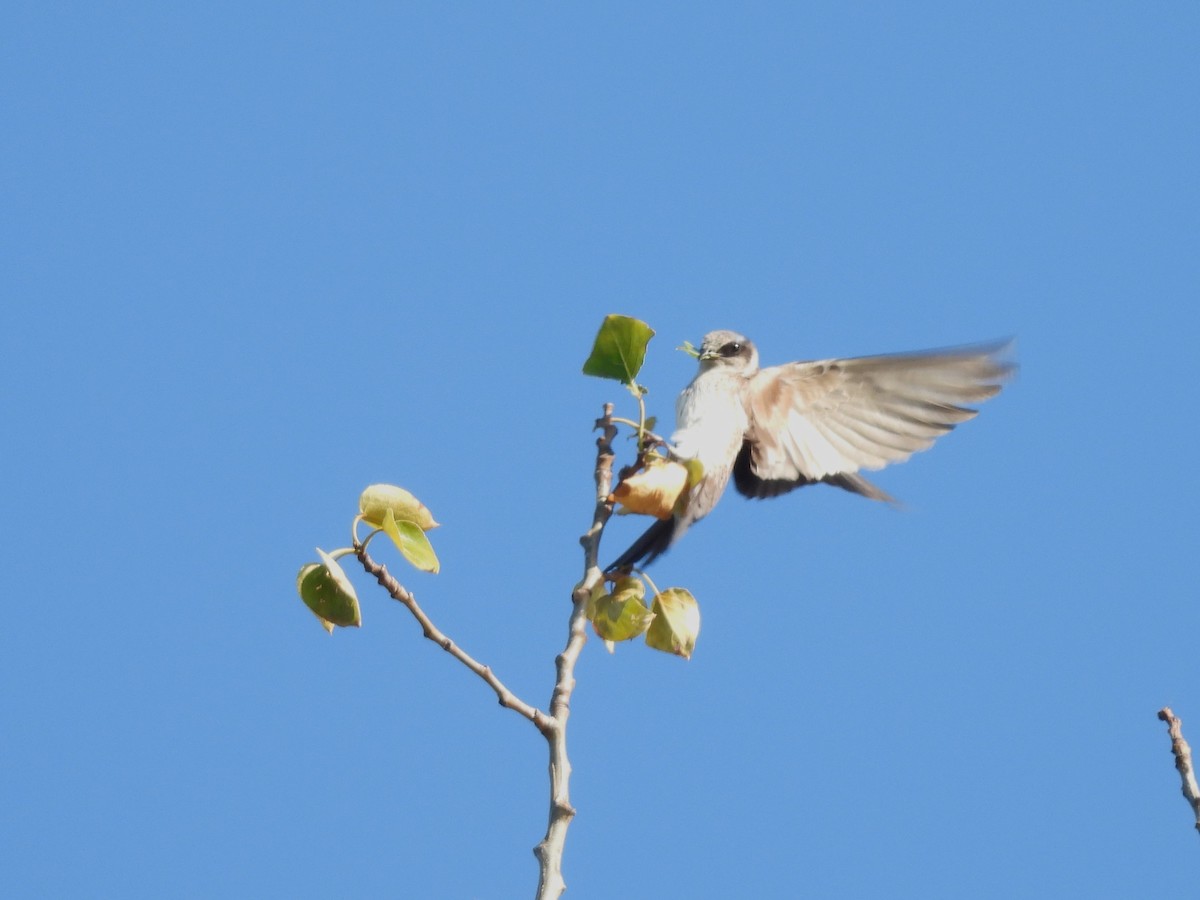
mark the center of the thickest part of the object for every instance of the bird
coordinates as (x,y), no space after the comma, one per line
(779,428)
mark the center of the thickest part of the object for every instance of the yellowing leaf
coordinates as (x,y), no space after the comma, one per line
(676,623)
(619,617)
(410,540)
(598,591)
(629,584)
(653,491)
(377,499)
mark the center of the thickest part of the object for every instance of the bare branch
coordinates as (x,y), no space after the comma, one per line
(1183,760)
(550,851)
(397,591)
(553,726)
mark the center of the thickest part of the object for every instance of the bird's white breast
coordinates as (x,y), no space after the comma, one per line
(710,420)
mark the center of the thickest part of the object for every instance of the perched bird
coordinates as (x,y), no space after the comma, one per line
(780,428)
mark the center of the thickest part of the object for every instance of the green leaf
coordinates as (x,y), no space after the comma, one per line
(410,540)
(676,623)
(327,591)
(619,350)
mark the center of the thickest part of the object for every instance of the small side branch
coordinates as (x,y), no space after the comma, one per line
(1183,760)
(397,592)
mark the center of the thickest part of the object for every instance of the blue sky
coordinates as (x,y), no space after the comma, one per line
(258,256)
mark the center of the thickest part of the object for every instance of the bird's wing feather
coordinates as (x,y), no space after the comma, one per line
(810,421)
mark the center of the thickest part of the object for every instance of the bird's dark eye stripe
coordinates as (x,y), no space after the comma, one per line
(731,349)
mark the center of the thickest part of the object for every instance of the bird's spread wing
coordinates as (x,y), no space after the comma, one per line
(826,420)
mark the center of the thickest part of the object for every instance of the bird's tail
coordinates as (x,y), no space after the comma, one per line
(656,539)
(855,483)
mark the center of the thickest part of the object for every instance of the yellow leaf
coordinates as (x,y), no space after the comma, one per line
(377,499)
(676,623)
(654,490)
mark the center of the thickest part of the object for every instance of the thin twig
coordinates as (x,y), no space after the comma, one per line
(1183,760)
(649,438)
(397,591)
(550,851)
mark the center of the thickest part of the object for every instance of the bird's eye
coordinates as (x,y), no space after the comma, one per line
(731,349)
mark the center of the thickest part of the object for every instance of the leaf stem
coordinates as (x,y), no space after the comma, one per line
(653,587)
(641,427)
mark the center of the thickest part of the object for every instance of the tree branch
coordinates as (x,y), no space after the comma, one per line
(550,851)
(553,726)
(397,592)
(1183,760)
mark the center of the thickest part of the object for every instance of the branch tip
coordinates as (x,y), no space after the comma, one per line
(1183,761)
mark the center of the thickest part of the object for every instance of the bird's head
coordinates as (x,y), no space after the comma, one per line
(730,350)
